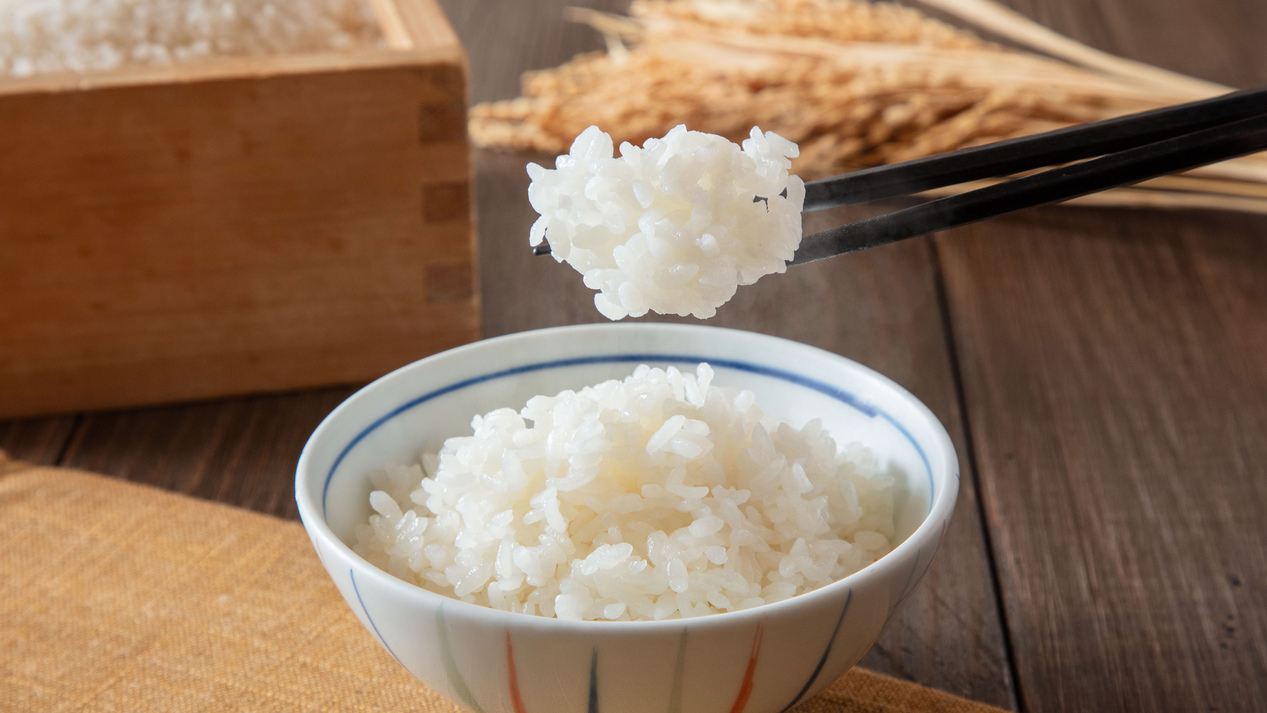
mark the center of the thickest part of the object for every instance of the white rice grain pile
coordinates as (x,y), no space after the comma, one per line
(40,36)
(675,226)
(659,496)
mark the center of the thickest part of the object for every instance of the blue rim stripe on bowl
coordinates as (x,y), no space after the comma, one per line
(593,695)
(841,395)
(921,566)
(826,654)
(679,673)
(370,619)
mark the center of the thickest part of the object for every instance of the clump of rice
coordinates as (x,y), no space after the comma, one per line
(40,36)
(675,226)
(659,496)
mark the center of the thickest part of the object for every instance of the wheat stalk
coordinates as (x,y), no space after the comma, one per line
(856,84)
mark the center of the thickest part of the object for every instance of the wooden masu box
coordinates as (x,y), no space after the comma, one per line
(235,226)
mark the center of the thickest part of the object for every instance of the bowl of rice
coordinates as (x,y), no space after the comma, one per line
(628,517)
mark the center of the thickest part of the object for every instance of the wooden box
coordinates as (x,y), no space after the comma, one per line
(235,226)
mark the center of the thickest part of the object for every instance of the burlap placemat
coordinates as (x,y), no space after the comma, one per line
(121,597)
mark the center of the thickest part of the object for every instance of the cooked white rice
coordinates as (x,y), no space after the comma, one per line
(655,497)
(39,36)
(675,226)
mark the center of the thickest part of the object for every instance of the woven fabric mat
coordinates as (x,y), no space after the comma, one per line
(121,597)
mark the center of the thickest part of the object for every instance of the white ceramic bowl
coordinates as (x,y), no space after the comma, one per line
(759,660)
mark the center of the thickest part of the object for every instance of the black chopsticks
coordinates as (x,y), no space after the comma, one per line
(1149,144)
(1100,155)
(1002,158)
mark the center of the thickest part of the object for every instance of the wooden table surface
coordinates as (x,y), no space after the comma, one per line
(1102,372)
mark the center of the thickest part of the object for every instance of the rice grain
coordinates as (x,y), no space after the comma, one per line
(659,496)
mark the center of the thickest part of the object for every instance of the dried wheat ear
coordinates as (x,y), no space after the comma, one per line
(855,84)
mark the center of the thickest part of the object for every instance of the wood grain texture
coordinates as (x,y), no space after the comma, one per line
(1210,41)
(503,40)
(1116,392)
(238,451)
(426,23)
(261,231)
(37,440)
(1118,399)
